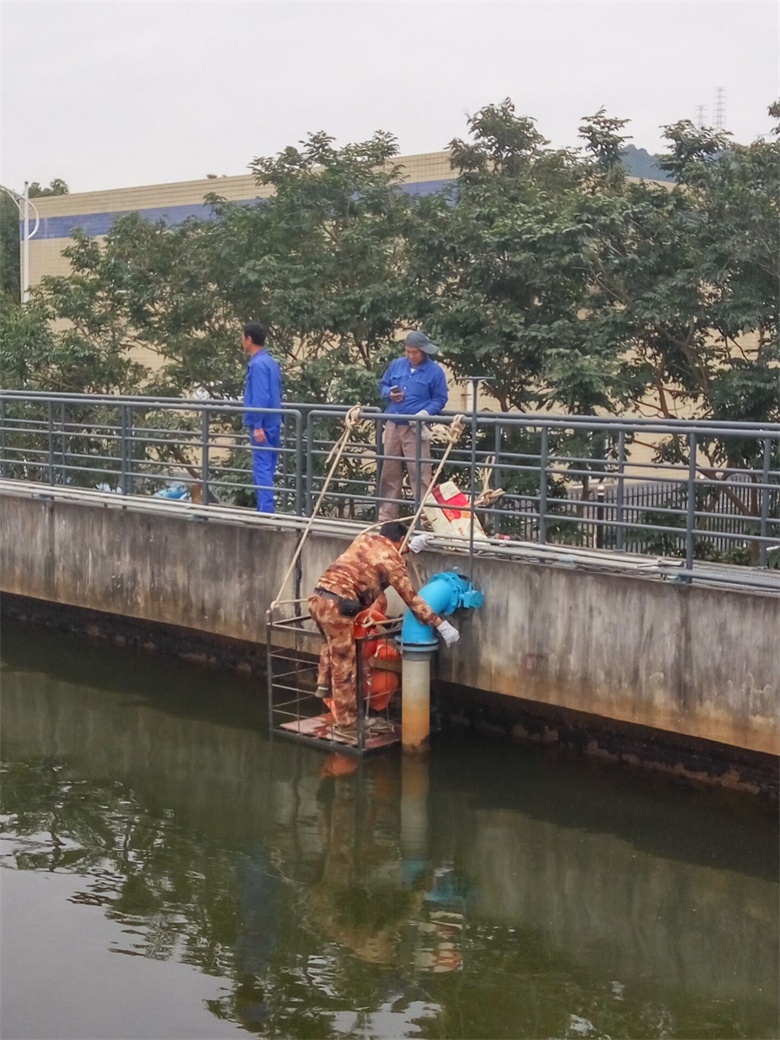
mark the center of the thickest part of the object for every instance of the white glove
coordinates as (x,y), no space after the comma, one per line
(420,541)
(425,430)
(449,633)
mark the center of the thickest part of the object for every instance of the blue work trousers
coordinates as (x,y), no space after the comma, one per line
(264,459)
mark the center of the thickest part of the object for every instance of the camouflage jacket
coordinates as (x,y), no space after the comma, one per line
(367,568)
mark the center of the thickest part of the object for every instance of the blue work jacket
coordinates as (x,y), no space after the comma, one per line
(424,387)
(263,390)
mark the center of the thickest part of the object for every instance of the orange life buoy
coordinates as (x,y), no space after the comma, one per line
(380,685)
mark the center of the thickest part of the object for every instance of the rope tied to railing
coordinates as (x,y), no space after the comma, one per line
(352,420)
(457,427)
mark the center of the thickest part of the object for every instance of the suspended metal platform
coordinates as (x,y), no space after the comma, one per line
(295,712)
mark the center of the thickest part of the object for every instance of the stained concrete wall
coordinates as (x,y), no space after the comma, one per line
(697,661)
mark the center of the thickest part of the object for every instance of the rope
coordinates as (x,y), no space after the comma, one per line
(351,421)
(457,426)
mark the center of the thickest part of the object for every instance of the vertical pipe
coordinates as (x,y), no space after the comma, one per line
(416,693)
(414,810)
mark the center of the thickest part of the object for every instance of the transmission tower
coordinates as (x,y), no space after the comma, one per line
(719,109)
(701,115)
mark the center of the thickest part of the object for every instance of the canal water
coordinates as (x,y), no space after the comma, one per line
(169,872)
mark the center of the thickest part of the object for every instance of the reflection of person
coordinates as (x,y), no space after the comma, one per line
(357,580)
(414,384)
(359,900)
(263,390)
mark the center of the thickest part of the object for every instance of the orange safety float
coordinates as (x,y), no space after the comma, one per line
(380,685)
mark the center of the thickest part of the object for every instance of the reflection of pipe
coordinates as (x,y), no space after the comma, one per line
(414,813)
(444,593)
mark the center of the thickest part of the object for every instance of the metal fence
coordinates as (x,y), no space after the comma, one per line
(688,489)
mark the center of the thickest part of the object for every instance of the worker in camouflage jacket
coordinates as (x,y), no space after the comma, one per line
(355,581)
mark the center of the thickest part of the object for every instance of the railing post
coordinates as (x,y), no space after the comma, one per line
(765,493)
(63,457)
(124,473)
(600,517)
(417,489)
(543,461)
(691,516)
(497,474)
(309,464)
(3,420)
(475,384)
(205,462)
(298,464)
(50,411)
(621,534)
(380,457)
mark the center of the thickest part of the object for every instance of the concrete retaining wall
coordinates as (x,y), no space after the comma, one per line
(694,661)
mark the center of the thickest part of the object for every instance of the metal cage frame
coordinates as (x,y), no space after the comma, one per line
(295,712)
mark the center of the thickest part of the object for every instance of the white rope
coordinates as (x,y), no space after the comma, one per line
(457,426)
(351,420)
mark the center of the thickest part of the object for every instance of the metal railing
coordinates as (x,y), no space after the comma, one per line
(581,481)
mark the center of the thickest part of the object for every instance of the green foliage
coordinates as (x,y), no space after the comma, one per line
(567,285)
(9,252)
(56,187)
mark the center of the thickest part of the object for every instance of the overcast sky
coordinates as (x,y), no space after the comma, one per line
(129,92)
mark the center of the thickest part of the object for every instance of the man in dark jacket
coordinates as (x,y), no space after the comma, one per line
(414,384)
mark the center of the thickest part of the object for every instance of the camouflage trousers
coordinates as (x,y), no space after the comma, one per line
(338,662)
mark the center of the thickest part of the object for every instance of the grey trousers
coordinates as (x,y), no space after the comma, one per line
(400,441)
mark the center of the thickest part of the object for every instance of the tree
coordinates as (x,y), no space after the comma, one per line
(56,187)
(10,277)
(501,267)
(571,287)
(10,282)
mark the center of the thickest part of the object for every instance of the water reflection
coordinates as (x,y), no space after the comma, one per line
(494,892)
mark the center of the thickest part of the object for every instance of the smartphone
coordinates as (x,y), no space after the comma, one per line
(395,389)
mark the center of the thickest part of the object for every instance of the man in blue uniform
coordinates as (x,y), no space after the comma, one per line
(263,390)
(413,385)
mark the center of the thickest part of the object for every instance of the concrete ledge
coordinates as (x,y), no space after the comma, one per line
(698,662)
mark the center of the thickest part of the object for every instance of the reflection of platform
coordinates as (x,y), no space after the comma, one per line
(320,728)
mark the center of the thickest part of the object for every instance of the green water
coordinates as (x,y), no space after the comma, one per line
(170,873)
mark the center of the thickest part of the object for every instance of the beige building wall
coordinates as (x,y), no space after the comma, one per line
(95,211)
